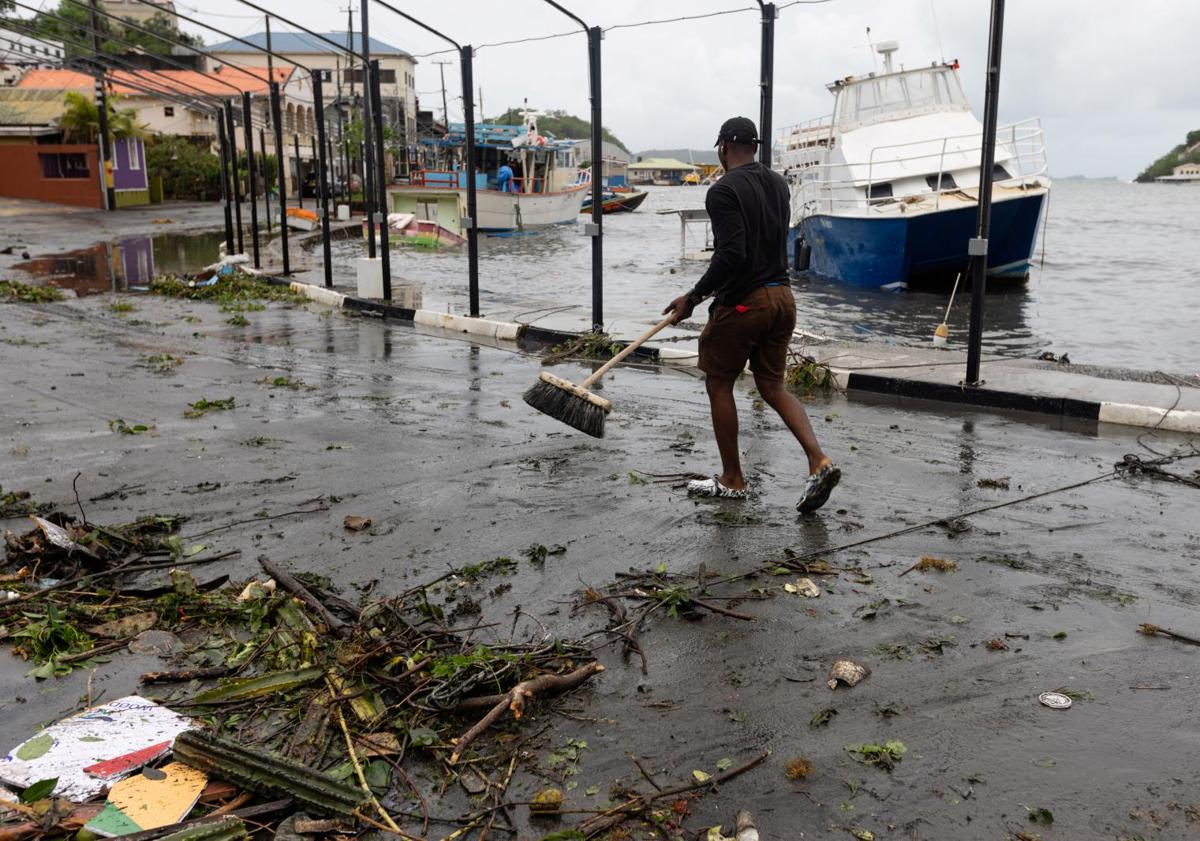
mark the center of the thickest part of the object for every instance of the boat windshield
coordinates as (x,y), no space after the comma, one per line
(869,100)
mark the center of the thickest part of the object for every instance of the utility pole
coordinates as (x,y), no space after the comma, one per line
(766,81)
(368,162)
(481,118)
(445,111)
(102,107)
(977,248)
(270,63)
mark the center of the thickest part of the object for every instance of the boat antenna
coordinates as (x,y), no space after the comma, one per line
(937,32)
(871,49)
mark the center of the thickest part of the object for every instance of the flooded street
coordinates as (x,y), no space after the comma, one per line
(428,437)
(1121,262)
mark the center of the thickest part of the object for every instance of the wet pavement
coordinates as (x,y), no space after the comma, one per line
(429,437)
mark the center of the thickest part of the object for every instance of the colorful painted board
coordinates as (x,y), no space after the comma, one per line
(156,797)
(101,734)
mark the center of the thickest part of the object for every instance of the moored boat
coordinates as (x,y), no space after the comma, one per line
(546,187)
(616,201)
(885,190)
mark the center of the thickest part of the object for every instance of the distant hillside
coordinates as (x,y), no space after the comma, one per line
(558,123)
(697,156)
(1187,152)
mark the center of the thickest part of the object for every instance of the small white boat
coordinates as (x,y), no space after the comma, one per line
(548,187)
(885,190)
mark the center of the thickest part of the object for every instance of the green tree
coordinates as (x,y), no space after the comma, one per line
(188,171)
(80,119)
(560,124)
(1179,155)
(73,26)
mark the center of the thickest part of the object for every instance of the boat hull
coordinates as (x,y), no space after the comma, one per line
(616,202)
(922,248)
(515,211)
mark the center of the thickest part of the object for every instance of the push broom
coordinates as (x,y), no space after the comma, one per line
(573,404)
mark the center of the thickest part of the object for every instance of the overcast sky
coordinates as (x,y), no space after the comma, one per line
(1114,82)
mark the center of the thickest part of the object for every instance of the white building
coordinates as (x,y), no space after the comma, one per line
(21,53)
(139,12)
(341,83)
(1182,173)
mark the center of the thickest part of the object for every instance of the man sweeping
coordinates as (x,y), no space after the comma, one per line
(753,313)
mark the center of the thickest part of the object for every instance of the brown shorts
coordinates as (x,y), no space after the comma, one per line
(758,330)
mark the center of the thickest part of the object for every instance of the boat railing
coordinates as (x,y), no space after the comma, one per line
(816,132)
(817,188)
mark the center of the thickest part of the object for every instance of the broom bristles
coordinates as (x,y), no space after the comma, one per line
(568,407)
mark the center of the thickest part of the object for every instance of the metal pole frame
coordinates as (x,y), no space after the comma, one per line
(252,174)
(237,186)
(766,81)
(262,151)
(977,248)
(468,73)
(471,222)
(385,257)
(229,243)
(595,228)
(280,158)
(299,180)
(322,172)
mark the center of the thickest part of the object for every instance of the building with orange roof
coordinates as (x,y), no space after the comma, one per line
(180,103)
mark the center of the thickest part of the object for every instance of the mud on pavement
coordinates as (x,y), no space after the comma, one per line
(427,438)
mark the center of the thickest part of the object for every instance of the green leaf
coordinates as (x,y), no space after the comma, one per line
(254,687)
(1041,815)
(39,790)
(422,737)
(724,764)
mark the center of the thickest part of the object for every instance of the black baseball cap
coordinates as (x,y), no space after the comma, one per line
(737,130)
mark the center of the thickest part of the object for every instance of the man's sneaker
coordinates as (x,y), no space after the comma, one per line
(818,488)
(713,489)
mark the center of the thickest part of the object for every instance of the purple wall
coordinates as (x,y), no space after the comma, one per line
(137,260)
(125,176)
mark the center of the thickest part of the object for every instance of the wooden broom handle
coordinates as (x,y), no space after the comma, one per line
(629,348)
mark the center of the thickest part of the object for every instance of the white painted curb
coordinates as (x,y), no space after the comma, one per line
(466,324)
(318,293)
(677,357)
(841,378)
(1173,420)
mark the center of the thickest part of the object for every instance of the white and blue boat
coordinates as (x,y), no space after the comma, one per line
(885,189)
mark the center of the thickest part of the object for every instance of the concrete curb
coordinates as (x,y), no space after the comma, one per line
(1126,414)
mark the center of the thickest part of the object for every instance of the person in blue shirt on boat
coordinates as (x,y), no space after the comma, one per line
(753,313)
(504,179)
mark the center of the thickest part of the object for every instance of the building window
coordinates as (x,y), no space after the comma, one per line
(168,110)
(64,165)
(131,145)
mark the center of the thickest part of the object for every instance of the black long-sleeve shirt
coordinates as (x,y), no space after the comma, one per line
(750,209)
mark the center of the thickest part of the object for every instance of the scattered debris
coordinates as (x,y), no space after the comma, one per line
(929,562)
(1055,700)
(353,522)
(155,798)
(1155,630)
(996,644)
(80,751)
(885,756)
(1001,483)
(846,672)
(807,375)
(203,406)
(798,768)
(14,290)
(804,587)
(822,717)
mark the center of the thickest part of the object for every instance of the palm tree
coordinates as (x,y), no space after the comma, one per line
(80,120)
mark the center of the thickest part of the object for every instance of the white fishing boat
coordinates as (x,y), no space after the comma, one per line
(885,190)
(547,186)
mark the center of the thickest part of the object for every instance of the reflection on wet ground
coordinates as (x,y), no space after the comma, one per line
(127,264)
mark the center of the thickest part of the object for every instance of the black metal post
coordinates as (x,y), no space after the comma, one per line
(596,228)
(299,180)
(237,187)
(977,248)
(102,107)
(468,72)
(280,158)
(368,157)
(266,175)
(224,146)
(322,187)
(385,257)
(252,174)
(766,82)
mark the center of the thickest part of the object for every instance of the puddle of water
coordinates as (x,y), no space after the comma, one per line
(125,264)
